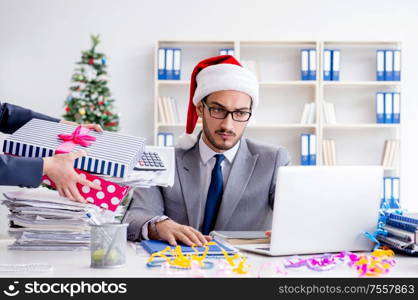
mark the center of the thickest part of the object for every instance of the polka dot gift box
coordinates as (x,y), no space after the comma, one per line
(109,197)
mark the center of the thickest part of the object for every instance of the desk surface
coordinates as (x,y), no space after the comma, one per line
(77,264)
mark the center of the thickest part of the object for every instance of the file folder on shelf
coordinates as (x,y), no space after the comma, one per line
(388,65)
(380,65)
(397,65)
(176,64)
(304,150)
(380,107)
(312,65)
(169,60)
(327,64)
(304,64)
(396,108)
(312,149)
(335,65)
(161,64)
(388,107)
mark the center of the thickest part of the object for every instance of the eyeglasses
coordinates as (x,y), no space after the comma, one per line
(220,113)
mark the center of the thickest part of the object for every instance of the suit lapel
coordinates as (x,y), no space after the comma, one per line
(241,171)
(190,180)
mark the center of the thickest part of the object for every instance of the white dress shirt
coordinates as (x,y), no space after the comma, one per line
(207,162)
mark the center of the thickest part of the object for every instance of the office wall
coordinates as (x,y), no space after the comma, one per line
(40,41)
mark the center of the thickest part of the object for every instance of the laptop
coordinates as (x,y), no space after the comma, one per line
(320,209)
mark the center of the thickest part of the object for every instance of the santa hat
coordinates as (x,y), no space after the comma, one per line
(219,73)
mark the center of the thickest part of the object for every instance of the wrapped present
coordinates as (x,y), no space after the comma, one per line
(109,197)
(109,153)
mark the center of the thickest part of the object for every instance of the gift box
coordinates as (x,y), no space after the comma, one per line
(109,197)
(109,153)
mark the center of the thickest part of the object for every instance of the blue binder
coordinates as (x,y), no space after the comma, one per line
(395,193)
(335,65)
(230,51)
(396,108)
(397,65)
(380,107)
(387,191)
(312,65)
(312,149)
(327,64)
(304,64)
(169,63)
(161,64)
(161,139)
(169,139)
(389,65)
(380,65)
(388,107)
(223,51)
(304,149)
(176,64)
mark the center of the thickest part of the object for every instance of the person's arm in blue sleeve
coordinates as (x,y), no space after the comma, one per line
(26,171)
(12,117)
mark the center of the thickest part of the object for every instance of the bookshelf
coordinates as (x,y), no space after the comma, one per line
(359,140)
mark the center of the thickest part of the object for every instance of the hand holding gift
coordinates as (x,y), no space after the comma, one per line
(60,169)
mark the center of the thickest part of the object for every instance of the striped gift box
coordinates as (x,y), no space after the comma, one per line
(112,154)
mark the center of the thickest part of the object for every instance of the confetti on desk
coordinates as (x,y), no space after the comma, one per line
(175,258)
(379,262)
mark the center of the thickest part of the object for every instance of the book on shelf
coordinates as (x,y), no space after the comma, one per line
(329,153)
(168,110)
(252,66)
(309,113)
(328,112)
(391,154)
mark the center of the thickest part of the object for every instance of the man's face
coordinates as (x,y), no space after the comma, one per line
(223,134)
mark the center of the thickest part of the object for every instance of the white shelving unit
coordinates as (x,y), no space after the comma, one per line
(359,140)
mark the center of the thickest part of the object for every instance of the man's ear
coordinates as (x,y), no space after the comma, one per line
(199,109)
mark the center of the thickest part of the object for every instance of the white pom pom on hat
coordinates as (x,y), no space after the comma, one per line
(219,73)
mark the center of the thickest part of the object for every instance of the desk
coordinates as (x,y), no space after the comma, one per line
(77,264)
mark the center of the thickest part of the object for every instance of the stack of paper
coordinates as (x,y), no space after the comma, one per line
(145,179)
(42,220)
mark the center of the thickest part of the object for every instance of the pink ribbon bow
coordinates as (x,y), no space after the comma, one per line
(78,136)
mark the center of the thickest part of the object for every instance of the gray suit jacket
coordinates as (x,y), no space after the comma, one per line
(247,199)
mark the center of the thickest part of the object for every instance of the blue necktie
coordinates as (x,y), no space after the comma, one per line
(213,202)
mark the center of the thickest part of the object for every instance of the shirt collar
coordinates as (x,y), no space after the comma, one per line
(207,153)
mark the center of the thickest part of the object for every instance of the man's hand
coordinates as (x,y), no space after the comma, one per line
(170,231)
(60,168)
(95,127)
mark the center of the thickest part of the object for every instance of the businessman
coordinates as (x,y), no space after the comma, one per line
(27,172)
(223,181)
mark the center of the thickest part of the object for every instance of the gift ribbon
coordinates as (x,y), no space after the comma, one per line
(78,137)
(193,261)
(378,263)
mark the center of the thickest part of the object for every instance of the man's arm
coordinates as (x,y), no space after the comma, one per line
(12,117)
(147,206)
(147,203)
(282,159)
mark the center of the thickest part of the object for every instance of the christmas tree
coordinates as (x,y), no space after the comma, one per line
(89,99)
